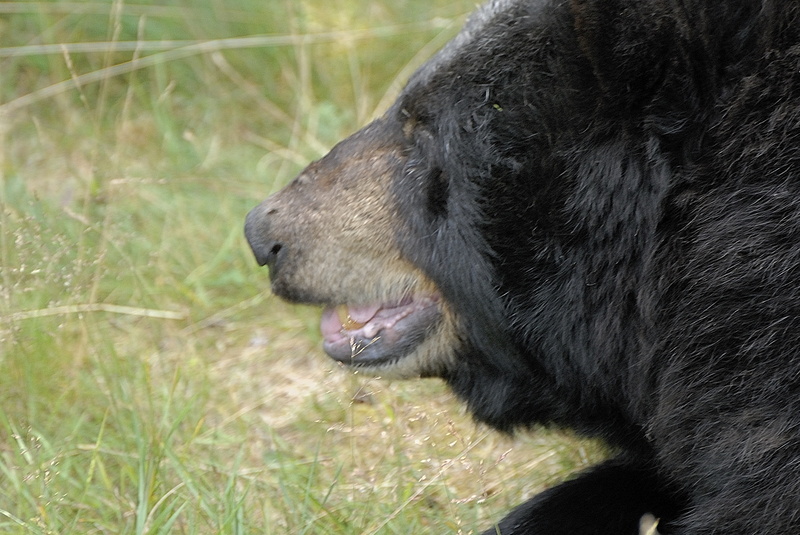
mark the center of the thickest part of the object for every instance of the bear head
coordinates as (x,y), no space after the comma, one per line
(496,225)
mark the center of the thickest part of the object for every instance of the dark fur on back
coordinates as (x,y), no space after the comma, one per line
(629,237)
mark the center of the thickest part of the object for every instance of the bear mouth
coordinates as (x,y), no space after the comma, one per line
(378,334)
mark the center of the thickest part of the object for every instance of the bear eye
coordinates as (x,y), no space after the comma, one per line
(409,127)
(410,122)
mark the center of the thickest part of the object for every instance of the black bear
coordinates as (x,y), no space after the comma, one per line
(583,213)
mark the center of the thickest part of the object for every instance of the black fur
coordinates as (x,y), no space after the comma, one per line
(622,235)
(607,194)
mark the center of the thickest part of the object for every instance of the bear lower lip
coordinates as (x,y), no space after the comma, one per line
(390,334)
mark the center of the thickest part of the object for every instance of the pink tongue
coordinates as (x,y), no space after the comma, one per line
(363,313)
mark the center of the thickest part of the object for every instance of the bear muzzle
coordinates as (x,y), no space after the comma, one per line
(330,238)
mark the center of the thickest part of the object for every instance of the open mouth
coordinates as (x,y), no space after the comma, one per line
(372,335)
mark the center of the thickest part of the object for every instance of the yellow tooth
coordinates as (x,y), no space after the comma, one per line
(344,318)
(342,313)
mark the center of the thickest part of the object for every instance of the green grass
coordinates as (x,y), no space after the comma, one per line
(150,382)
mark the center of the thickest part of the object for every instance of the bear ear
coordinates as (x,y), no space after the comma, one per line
(628,43)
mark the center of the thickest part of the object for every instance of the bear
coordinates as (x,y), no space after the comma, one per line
(582,214)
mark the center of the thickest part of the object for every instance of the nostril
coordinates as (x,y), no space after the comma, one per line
(272,256)
(267,253)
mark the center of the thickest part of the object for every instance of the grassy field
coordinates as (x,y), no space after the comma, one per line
(150,382)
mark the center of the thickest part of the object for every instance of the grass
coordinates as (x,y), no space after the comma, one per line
(150,382)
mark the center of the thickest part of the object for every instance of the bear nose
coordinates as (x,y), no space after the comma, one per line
(265,248)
